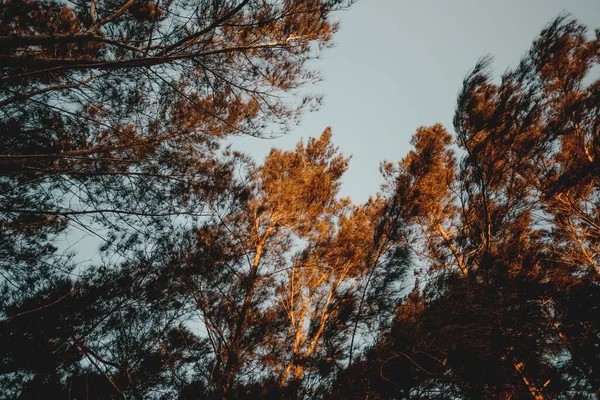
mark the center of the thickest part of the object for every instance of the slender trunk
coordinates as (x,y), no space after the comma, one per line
(298,338)
(233,350)
(459,259)
(536,394)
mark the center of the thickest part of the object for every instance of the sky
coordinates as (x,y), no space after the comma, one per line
(397,65)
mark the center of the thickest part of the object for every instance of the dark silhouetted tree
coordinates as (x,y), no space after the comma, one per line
(507,239)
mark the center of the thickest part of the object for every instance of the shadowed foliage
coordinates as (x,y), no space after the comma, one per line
(506,301)
(221,278)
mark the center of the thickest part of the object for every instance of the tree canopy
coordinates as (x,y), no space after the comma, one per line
(473,273)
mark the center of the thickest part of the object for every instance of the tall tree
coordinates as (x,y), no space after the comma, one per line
(113,114)
(293,260)
(515,250)
(112,111)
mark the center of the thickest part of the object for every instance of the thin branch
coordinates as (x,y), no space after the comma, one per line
(39,308)
(209,28)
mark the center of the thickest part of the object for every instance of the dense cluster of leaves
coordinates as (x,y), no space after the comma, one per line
(222,279)
(112,112)
(508,302)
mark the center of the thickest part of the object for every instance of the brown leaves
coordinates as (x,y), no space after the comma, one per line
(299,188)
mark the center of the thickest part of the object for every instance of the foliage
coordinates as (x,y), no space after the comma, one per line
(508,302)
(223,279)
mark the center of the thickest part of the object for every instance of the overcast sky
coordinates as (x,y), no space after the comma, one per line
(398,64)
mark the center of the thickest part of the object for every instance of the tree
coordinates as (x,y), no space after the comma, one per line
(294,253)
(274,286)
(508,239)
(112,112)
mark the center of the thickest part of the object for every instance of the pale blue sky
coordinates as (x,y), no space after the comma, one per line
(397,65)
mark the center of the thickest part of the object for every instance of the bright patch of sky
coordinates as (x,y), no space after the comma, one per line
(397,65)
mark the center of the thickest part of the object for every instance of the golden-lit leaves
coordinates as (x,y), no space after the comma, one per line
(299,188)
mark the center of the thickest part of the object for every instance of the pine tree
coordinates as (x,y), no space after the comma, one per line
(506,238)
